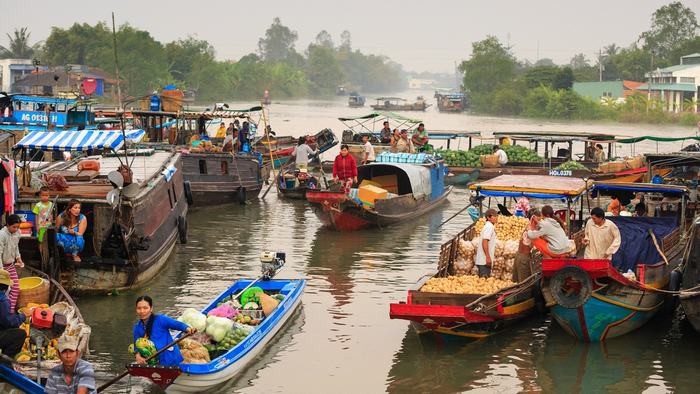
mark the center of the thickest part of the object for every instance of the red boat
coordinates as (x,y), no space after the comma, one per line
(415,190)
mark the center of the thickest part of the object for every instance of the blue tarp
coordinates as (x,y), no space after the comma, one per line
(637,247)
(43,100)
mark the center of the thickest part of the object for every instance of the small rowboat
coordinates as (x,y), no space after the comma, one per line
(204,377)
(12,381)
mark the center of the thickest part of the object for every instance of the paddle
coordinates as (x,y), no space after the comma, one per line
(156,354)
(274,178)
(656,244)
(453,216)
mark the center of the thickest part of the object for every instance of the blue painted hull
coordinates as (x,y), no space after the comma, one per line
(20,381)
(598,319)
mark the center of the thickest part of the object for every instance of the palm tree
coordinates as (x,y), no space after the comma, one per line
(19,47)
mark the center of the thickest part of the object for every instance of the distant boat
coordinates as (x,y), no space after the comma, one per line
(399,104)
(355,100)
(451,101)
(266,100)
(341,91)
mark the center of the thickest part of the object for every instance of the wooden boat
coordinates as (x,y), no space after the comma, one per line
(205,377)
(355,100)
(22,376)
(690,279)
(399,104)
(451,101)
(462,179)
(592,300)
(481,315)
(294,184)
(282,148)
(131,230)
(416,189)
(29,112)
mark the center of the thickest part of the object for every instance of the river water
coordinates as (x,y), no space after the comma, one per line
(341,339)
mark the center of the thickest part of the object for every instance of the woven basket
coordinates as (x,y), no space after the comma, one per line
(489,160)
(33,289)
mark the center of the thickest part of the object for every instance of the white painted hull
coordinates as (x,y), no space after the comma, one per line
(191,383)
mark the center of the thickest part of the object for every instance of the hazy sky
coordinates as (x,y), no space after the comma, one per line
(421,35)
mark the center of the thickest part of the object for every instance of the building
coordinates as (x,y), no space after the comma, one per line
(69,81)
(12,70)
(677,86)
(616,90)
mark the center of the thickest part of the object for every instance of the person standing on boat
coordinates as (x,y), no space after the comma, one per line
(599,155)
(602,237)
(231,140)
(420,138)
(345,168)
(72,225)
(502,155)
(9,254)
(385,133)
(11,336)
(404,144)
(221,132)
(73,375)
(156,328)
(302,152)
(367,150)
(395,137)
(522,265)
(485,252)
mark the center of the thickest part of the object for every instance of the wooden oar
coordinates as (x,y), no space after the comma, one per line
(656,244)
(453,216)
(156,354)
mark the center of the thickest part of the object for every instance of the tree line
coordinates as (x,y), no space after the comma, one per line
(500,84)
(146,64)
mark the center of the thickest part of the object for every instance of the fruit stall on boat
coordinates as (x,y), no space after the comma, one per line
(135,208)
(454,302)
(232,331)
(397,187)
(595,300)
(54,314)
(399,104)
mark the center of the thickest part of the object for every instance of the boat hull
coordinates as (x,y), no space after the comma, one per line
(219,178)
(336,211)
(242,355)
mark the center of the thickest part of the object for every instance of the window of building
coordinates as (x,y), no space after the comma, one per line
(607,94)
(687,80)
(202,166)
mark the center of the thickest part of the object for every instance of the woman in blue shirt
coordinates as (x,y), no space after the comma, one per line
(157,328)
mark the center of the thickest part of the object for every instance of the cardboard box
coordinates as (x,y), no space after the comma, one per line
(388,182)
(366,182)
(368,194)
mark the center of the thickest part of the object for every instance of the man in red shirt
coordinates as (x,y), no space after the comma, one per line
(345,168)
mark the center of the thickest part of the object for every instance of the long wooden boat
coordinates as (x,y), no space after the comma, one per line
(205,377)
(481,315)
(12,381)
(399,104)
(417,189)
(690,282)
(592,300)
(131,230)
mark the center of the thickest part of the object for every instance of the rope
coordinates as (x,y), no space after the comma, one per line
(524,286)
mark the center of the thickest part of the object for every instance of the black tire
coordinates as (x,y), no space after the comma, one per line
(182,229)
(188,192)
(241,195)
(570,296)
(674,284)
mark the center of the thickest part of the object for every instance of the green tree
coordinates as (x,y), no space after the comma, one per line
(324,39)
(323,69)
(491,65)
(687,47)
(670,26)
(632,63)
(19,47)
(184,55)
(545,62)
(79,44)
(579,62)
(345,41)
(278,43)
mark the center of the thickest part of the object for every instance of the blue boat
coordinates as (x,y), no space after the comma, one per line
(591,299)
(204,377)
(10,379)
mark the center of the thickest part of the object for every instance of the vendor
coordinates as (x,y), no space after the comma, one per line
(420,138)
(72,225)
(156,328)
(11,336)
(602,237)
(548,234)
(302,152)
(614,206)
(502,155)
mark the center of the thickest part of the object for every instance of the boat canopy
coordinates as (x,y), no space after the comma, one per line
(380,114)
(78,140)
(553,136)
(640,187)
(411,178)
(44,100)
(657,139)
(532,186)
(390,99)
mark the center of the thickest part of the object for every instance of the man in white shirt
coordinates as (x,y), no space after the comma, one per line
(485,252)
(302,152)
(368,150)
(502,156)
(602,238)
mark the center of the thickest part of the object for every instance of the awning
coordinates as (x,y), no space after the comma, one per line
(76,140)
(44,100)
(388,115)
(641,187)
(534,186)
(657,139)
(677,87)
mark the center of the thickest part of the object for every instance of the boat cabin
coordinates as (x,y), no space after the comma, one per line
(45,112)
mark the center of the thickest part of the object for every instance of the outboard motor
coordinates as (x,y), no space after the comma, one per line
(271,263)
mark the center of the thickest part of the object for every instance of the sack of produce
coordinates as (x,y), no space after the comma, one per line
(217,327)
(145,348)
(223,310)
(268,303)
(194,319)
(194,352)
(466,284)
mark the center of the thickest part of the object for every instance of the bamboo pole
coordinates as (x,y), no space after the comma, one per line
(269,146)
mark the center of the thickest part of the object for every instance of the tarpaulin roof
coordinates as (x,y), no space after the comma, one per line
(534,186)
(43,100)
(658,139)
(637,245)
(640,187)
(417,175)
(389,115)
(78,140)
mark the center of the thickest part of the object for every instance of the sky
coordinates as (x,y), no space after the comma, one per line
(421,35)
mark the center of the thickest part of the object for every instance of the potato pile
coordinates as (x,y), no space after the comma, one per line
(502,265)
(507,228)
(465,284)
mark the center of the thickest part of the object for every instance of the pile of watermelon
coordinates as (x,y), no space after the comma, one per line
(472,157)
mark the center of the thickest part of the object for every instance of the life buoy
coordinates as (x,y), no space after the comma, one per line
(188,192)
(571,287)
(182,229)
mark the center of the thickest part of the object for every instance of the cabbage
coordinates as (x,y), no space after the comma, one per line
(194,319)
(217,327)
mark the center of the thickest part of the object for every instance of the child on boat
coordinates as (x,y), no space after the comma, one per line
(43,211)
(9,254)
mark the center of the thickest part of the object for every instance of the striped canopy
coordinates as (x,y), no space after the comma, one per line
(79,140)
